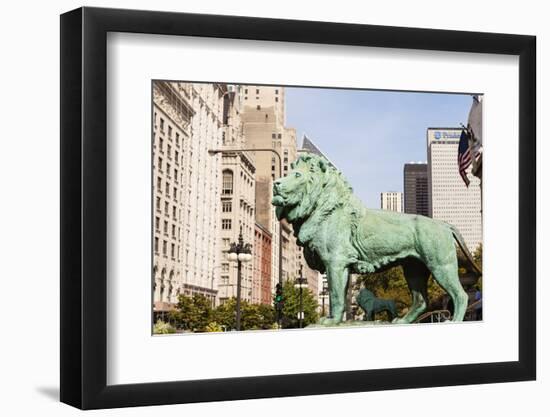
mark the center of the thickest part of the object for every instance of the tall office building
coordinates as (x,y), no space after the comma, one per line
(263,119)
(237,202)
(392,201)
(448,197)
(263,123)
(415,187)
(187,122)
(308,146)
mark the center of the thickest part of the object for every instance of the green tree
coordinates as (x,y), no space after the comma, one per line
(192,313)
(253,316)
(478,258)
(291,298)
(161,327)
(391,284)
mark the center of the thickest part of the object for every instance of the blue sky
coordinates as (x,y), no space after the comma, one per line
(369,135)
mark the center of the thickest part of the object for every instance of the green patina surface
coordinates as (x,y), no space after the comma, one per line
(340,236)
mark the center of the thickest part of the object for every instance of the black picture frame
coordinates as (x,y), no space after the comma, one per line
(84,207)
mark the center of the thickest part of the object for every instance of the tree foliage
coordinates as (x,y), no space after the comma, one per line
(391,284)
(163,328)
(192,313)
(291,307)
(253,316)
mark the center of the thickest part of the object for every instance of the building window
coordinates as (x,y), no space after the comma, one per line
(226,224)
(246,90)
(160,164)
(276,99)
(258,107)
(173,230)
(274,136)
(276,91)
(177,156)
(175,195)
(165,227)
(174,212)
(164,245)
(177,139)
(167,189)
(173,251)
(227,182)
(225,267)
(159,183)
(168,170)
(162,124)
(257,91)
(225,242)
(166,207)
(175,174)
(169,131)
(157,223)
(226,206)
(158,203)
(169,151)
(156,245)
(279,136)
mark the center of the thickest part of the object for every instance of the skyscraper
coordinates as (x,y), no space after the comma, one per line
(415,187)
(449,198)
(392,201)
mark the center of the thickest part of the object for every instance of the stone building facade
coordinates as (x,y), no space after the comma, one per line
(262,292)
(187,122)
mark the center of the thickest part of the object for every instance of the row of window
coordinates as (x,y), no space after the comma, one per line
(165,228)
(177,158)
(257,98)
(162,125)
(165,248)
(166,208)
(258,91)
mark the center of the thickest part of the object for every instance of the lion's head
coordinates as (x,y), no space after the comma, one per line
(312,183)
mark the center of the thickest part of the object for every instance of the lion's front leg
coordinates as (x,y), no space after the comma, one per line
(337,277)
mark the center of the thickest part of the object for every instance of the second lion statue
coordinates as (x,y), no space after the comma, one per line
(341,236)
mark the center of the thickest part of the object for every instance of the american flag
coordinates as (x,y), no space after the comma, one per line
(464,156)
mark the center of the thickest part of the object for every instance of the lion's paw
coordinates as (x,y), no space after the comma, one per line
(329,321)
(399,320)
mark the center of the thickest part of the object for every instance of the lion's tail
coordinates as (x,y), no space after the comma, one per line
(464,248)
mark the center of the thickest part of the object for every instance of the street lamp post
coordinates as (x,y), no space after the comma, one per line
(301,283)
(239,252)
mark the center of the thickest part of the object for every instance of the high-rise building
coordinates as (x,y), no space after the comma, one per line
(237,202)
(449,198)
(308,146)
(415,187)
(392,201)
(263,124)
(264,127)
(187,122)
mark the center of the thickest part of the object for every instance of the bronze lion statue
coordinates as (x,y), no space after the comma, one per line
(372,305)
(340,237)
